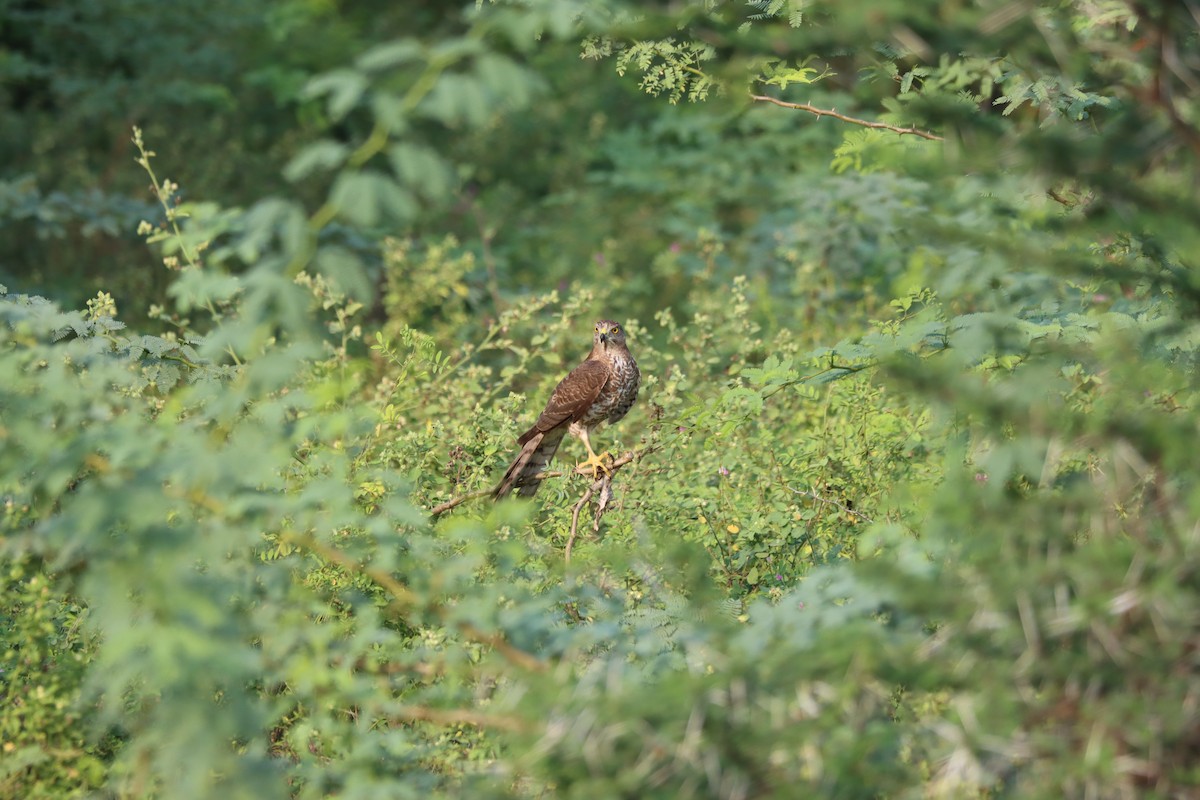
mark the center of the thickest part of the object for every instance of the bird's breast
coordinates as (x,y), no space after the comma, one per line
(619,393)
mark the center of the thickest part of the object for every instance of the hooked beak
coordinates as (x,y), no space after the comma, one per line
(604,337)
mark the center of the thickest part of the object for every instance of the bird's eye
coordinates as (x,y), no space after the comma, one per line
(616,328)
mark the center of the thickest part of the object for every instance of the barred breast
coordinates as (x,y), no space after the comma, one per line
(618,394)
(629,379)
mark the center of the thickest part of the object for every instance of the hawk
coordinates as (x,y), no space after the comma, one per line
(602,388)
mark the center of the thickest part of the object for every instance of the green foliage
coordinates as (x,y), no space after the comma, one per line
(667,66)
(46,748)
(911,508)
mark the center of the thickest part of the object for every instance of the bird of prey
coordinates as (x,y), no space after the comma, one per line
(603,387)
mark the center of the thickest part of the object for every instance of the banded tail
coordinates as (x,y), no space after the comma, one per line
(536,453)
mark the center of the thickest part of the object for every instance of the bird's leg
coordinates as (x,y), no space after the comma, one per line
(594,463)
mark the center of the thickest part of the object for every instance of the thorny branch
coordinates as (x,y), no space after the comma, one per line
(629,457)
(829,502)
(828,112)
(601,487)
(607,481)
(604,484)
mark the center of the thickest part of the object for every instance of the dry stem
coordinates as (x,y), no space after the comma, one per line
(828,112)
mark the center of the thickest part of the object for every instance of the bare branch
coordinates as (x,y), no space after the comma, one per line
(827,112)
(603,487)
(575,518)
(402,596)
(457,716)
(457,501)
(404,599)
(632,455)
(1057,197)
(829,502)
(501,645)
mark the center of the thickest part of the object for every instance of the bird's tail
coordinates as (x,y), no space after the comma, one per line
(530,462)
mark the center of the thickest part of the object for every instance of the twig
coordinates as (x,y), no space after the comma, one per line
(496,640)
(827,112)
(846,369)
(1159,91)
(575,519)
(404,598)
(438,510)
(457,501)
(603,485)
(829,502)
(456,716)
(1054,195)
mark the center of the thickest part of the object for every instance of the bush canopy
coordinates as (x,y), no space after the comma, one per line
(907,507)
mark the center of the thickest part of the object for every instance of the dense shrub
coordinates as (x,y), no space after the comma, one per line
(909,508)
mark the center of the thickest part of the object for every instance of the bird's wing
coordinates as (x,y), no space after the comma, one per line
(572,397)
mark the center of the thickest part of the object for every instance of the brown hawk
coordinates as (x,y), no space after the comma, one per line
(601,388)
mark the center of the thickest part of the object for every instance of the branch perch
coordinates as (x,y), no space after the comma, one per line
(631,456)
(603,485)
(828,112)
(607,488)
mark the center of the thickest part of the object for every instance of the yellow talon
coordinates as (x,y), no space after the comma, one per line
(594,464)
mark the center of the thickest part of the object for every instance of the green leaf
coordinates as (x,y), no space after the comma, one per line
(366,198)
(389,55)
(345,269)
(343,88)
(321,155)
(421,168)
(741,396)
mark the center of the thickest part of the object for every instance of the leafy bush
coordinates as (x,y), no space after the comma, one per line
(908,506)
(46,746)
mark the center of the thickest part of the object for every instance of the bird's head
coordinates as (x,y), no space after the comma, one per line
(608,333)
